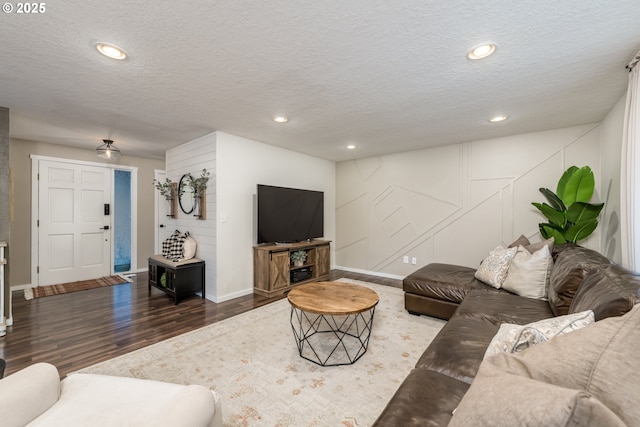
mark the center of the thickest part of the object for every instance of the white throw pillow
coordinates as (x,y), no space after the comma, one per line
(514,338)
(493,269)
(529,273)
(189,248)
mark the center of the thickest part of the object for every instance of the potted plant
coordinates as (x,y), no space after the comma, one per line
(167,188)
(199,185)
(299,257)
(571,217)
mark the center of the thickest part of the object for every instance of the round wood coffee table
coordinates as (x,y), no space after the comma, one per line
(332,321)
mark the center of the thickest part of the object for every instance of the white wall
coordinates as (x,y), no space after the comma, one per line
(241,165)
(610,152)
(191,158)
(453,204)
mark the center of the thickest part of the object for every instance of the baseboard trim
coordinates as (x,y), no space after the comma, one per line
(370,273)
(21,287)
(228,297)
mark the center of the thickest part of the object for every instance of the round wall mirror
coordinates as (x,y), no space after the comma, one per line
(187,199)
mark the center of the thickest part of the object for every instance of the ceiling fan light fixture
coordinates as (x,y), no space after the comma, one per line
(111,51)
(481,51)
(108,150)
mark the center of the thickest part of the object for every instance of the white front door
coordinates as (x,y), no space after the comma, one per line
(74,244)
(162,229)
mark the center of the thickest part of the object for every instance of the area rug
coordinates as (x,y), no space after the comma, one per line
(81,285)
(252,361)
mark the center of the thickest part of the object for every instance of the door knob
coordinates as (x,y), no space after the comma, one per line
(161,225)
(106,227)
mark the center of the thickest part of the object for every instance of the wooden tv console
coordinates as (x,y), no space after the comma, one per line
(274,273)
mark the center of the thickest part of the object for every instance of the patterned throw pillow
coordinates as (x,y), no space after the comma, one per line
(177,248)
(166,245)
(493,269)
(514,338)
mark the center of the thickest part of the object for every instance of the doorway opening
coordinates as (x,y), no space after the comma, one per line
(122,222)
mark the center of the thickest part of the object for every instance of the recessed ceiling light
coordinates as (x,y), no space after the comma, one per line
(280,119)
(500,118)
(111,51)
(351,147)
(482,51)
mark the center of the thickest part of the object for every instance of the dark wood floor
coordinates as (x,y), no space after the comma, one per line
(79,329)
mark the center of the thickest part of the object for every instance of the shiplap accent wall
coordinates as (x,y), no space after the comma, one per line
(192,157)
(452,204)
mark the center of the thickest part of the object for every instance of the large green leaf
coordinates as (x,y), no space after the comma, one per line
(547,231)
(553,199)
(581,230)
(554,216)
(562,183)
(580,211)
(578,187)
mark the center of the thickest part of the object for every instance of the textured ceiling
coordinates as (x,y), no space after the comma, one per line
(388,76)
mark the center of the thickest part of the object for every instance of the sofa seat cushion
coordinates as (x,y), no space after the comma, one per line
(425,398)
(100,400)
(444,282)
(498,308)
(459,347)
(608,290)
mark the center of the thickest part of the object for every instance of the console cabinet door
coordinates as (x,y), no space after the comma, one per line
(323,262)
(279,270)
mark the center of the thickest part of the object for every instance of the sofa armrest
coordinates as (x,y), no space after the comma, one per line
(195,405)
(28,393)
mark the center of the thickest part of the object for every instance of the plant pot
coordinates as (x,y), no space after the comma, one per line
(298,263)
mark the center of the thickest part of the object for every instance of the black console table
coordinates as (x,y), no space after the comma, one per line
(180,278)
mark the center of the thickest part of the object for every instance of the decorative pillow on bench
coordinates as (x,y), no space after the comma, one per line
(178,247)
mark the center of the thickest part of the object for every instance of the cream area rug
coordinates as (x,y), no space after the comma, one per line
(253,362)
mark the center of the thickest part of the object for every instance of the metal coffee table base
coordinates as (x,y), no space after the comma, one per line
(332,340)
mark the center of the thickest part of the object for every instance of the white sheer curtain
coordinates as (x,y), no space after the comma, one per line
(630,172)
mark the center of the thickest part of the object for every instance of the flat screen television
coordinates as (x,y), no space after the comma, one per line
(288,215)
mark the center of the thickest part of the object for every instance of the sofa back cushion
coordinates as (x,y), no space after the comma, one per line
(572,264)
(496,399)
(600,360)
(608,290)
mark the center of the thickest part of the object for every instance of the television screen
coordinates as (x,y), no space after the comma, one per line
(289,215)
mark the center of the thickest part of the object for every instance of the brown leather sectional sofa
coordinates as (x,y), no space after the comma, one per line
(581,279)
